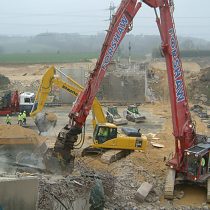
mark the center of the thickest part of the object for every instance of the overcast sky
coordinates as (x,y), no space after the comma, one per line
(30,17)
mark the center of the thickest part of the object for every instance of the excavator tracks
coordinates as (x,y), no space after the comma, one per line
(169,184)
(111,156)
(108,156)
(92,151)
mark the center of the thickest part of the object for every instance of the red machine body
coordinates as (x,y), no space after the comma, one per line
(13,104)
(183,127)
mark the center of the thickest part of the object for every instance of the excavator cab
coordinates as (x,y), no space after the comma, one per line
(133,109)
(198,164)
(132,114)
(104,132)
(113,116)
(113,110)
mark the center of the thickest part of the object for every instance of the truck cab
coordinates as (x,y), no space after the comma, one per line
(26,102)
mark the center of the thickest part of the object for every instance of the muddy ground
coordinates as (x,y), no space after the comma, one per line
(136,168)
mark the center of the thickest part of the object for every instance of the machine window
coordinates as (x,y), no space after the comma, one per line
(27,100)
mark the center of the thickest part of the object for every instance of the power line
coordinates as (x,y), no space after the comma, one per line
(72,14)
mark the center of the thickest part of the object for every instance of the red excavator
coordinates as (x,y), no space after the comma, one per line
(9,103)
(191,159)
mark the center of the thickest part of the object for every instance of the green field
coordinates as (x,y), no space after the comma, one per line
(31,58)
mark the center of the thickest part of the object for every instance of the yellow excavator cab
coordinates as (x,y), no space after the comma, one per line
(108,135)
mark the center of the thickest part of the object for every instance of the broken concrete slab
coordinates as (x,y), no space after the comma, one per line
(157,145)
(143,191)
(18,193)
(155,138)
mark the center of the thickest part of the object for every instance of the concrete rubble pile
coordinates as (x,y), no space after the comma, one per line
(4,81)
(127,184)
(84,189)
(199,87)
(129,178)
(64,193)
(24,86)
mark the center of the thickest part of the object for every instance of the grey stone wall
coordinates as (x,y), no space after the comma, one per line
(79,76)
(123,88)
(122,83)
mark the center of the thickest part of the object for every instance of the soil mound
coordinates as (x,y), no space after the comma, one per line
(12,132)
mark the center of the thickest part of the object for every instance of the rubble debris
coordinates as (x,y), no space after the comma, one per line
(143,191)
(24,86)
(198,89)
(150,135)
(127,178)
(84,189)
(4,81)
(196,108)
(179,195)
(57,192)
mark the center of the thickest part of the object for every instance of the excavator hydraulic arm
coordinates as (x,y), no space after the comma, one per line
(183,127)
(119,26)
(49,80)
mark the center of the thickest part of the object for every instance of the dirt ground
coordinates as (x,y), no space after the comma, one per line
(131,171)
(139,166)
(35,71)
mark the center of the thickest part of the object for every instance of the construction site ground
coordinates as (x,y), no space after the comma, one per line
(138,167)
(130,172)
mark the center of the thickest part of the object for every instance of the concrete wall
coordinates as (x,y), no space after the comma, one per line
(79,76)
(123,88)
(18,193)
(122,83)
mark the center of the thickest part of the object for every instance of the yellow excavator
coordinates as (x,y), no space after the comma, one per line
(119,145)
(49,79)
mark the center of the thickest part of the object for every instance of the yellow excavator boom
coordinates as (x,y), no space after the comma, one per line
(50,79)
